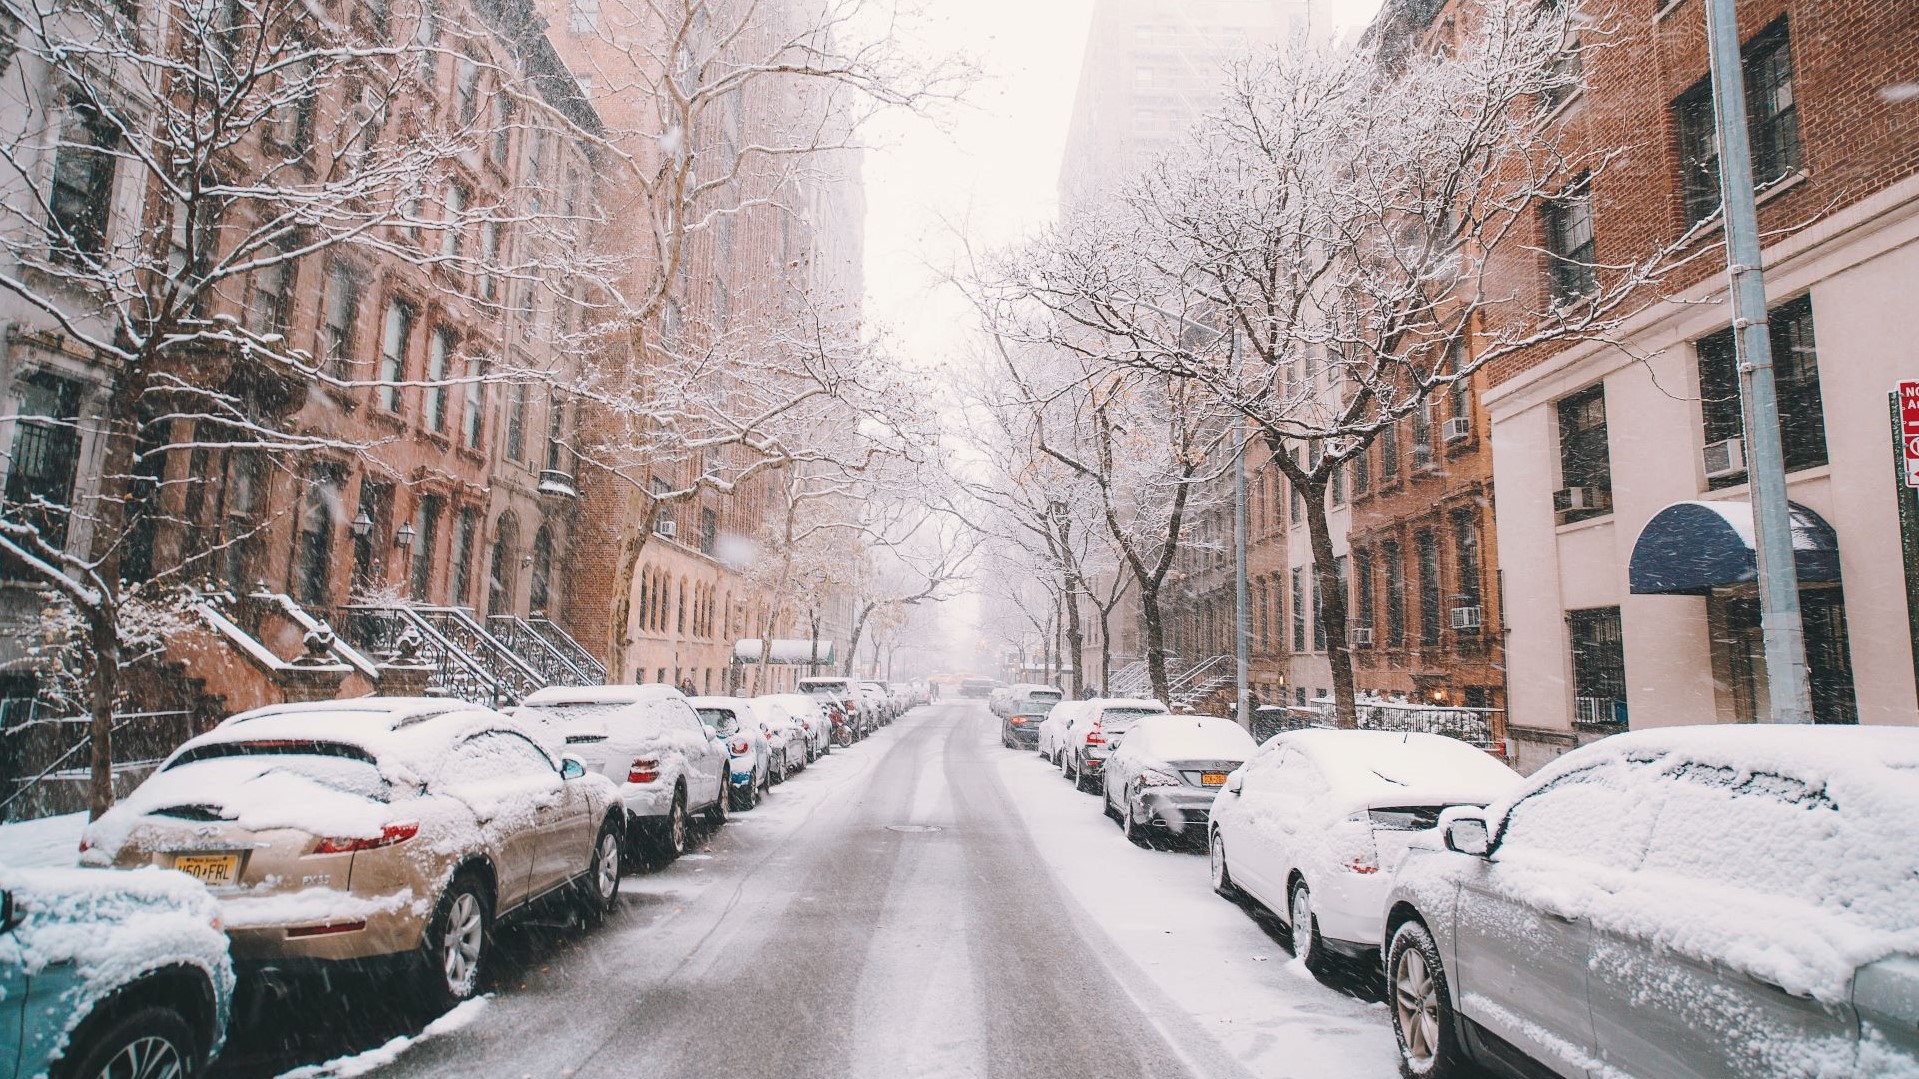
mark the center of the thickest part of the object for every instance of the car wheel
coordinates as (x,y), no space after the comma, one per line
(1066,764)
(459,941)
(1131,826)
(1307,945)
(777,772)
(1106,803)
(1080,781)
(670,841)
(150,1041)
(1422,1007)
(600,888)
(716,813)
(1222,877)
(744,798)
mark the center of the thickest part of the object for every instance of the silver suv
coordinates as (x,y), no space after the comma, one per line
(1723,902)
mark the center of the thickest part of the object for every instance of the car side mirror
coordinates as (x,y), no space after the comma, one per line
(572,767)
(1234,782)
(1468,834)
(8,916)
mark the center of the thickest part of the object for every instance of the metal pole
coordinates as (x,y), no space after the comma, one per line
(1245,711)
(1779,620)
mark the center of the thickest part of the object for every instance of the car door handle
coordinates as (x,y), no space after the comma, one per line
(1780,989)
(1558,916)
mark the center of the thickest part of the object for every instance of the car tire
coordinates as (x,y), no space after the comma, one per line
(715,817)
(458,943)
(1135,834)
(1308,946)
(777,773)
(146,1041)
(1223,885)
(1422,1007)
(599,889)
(1080,782)
(669,837)
(1106,804)
(744,799)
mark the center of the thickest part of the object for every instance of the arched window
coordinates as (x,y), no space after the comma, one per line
(679,609)
(646,596)
(540,598)
(502,566)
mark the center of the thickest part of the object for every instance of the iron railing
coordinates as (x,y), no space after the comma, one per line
(380,630)
(548,649)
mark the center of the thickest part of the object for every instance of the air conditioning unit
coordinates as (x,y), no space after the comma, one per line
(1573,499)
(1725,458)
(1457,429)
(666,529)
(1424,460)
(1360,636)
(1465,618)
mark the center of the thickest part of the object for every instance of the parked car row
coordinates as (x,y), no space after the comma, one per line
(1725,902)
(1029,698)
(384,835)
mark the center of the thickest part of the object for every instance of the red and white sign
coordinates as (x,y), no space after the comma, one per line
(1909,429)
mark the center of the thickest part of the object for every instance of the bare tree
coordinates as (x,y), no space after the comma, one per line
(1337,220)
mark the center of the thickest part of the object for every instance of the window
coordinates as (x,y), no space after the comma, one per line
(46,456)
(1423,427)
(340,320)
(1461,394)
(1389,451)
(246,496)
(466,538)
(376,501)
(489,261)
(1362,471)
(1772,122)
(270,301)
(393,346)
(426,529)
(499,153)
(1567,67)
(1362,612)
(1599,665)
(466,90)
(500,566)
(1299,609)
(1466,557)
(1427,547)
(473,415)
(1795,369)
(1395,594)
(453,222)
(516,422)
(439,351)
(1569,242)
(293,116)
(709,531)
(314,576)
(556,447)
(82,187)
(1585,461)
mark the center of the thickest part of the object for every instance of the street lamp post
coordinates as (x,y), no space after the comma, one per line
(1779,621)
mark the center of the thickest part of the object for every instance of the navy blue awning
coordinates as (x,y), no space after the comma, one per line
(1691,548)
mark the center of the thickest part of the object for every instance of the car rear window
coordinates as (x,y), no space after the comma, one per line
(337,765)
(596,714)
(1121,718)
(720,719)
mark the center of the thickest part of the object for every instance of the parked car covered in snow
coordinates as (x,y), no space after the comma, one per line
(1726,902)
(735,721)
(1051,739)
(109,974)
(785,738)
(883,704)
(648,740)
(1161,781)
(811,716)
(1096,731)
(372,832)
(1014,698)
(1020,729)
(847,695)
(1312,827)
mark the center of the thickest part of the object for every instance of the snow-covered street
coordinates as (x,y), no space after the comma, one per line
(925,903)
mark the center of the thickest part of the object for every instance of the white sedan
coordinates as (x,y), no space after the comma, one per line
(1314,825)
(1161,780)
(1052,730)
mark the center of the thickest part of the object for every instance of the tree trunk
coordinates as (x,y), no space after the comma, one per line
(1075,638)
(853,642)
(1151,622)
(1105,648)
(104,640)
(1332,601)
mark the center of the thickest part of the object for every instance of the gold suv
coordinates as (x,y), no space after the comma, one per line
(373,830)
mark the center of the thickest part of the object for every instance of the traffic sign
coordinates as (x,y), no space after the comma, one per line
(1909,428)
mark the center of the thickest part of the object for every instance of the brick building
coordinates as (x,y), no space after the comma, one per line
(1620,468)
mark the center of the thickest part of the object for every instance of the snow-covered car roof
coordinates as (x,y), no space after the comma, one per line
(1101,703)
(398,707)
(1194,738)
(1371,769)
(736,704)
(622,694)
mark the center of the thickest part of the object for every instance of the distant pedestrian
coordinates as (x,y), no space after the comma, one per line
(687,688)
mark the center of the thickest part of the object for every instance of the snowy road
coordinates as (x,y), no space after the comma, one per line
(925,903)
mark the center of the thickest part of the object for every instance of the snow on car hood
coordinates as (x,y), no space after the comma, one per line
(1748,829)
(112,926)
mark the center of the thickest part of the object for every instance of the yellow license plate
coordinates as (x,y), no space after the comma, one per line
(1212,779)
(210,869)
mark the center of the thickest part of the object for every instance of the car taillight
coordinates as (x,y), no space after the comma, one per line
(644,770)
(1095,737)
(739,747)
(1017,721)
(1151,778)
(389,835)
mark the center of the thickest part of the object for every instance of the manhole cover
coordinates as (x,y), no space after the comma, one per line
(912,828)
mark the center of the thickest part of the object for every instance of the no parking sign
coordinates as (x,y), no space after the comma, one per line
(1909,429)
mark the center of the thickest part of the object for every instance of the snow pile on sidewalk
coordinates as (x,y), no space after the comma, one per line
(46,842)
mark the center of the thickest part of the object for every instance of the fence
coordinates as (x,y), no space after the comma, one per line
(44,759)
(1480,726)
